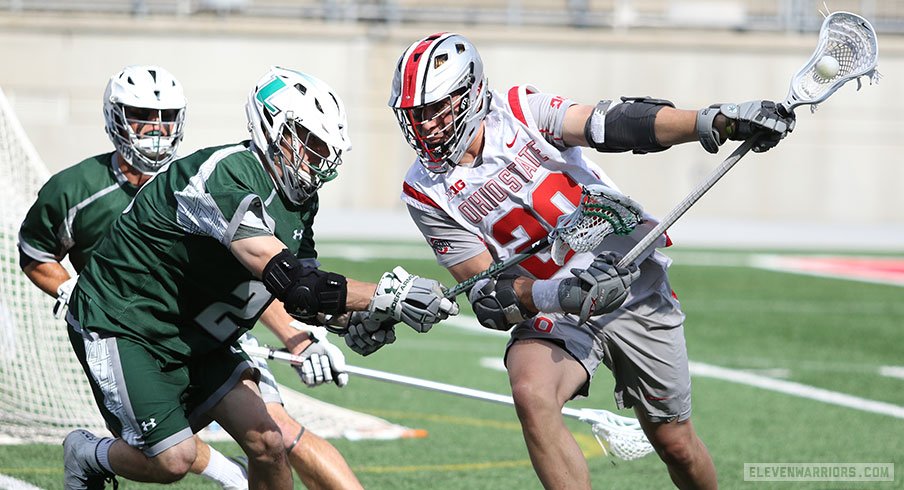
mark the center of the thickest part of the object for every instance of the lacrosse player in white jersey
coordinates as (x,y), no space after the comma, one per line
(494,172)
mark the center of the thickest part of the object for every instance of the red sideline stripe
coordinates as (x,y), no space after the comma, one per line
(420,196)
(409,75)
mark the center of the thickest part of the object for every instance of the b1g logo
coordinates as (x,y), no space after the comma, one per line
(441,246)
(455,188)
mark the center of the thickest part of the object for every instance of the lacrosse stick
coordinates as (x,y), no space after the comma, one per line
(846,37)
(601,212)
(620,436)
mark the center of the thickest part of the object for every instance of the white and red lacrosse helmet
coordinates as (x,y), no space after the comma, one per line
(440,98)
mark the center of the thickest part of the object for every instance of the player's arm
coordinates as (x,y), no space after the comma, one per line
(645,125)
(47,276)
(307,291)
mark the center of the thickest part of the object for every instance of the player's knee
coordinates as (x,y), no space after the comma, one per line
(676,452)
(531,401)
(265,446)
(173,464)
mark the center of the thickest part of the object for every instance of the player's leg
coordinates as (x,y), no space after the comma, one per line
(543,377)
(317,462)
(211,464)
(646,352)
(140,404)
(688,460)
(227,391)
(243,414)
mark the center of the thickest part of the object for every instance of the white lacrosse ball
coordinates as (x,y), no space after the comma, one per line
(827,67)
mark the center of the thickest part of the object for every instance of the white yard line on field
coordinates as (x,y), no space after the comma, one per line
(10,483)
(700,369)
(796,389)
(892,371)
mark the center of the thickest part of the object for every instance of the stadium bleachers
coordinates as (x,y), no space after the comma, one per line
(796,15)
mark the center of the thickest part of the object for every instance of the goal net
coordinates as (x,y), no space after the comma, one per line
(44,393)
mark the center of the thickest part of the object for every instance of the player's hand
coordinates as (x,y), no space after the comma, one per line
(64,292)
(598,289)
(496,304)
(763,118)
(414,300)
(323,361)
(365,334)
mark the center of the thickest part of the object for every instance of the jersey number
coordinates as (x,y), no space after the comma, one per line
(219,319)
(546,209)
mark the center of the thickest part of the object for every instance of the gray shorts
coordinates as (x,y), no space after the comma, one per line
(267,383)
(641,344)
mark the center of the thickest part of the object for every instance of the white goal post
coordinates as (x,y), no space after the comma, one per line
(44,393)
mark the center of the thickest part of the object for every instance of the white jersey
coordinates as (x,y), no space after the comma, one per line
(514,197)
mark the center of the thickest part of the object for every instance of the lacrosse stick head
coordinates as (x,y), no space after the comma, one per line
(623,437)
(851,41)
(601,212)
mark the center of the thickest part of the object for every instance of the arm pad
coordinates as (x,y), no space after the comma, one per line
(305,291)
(626,126)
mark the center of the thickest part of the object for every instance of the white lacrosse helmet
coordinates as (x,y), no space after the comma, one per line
(299,125)
(146,97)
(440,98)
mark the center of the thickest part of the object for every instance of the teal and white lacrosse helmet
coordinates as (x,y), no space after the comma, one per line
(300,127)
(144,114)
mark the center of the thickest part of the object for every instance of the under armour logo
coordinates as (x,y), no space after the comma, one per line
(297,234)
(150,424)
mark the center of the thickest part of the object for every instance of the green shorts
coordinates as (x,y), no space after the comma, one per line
(150,404)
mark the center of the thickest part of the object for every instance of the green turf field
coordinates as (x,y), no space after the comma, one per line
(825,333)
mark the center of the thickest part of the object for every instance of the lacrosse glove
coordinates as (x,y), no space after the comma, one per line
(418,302)
(365,335)
(600,288)
(323,361)
(496,304)
(64,292)
(763,118)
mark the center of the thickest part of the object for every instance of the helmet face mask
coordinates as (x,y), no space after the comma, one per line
(300,126)
(308,159)
(144,114)
(440,98)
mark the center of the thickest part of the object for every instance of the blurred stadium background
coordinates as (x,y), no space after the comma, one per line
(834,183)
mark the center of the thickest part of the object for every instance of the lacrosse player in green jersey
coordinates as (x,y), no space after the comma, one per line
(211,242)
(144,113)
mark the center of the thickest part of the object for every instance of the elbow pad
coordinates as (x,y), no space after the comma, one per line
(305,291)
(625,127)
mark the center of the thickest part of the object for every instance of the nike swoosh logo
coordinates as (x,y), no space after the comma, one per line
(509,145)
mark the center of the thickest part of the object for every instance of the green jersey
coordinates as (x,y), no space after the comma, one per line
(74,210)
(164,275)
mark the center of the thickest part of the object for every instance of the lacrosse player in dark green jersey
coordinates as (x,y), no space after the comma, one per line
(144,110)
(192,263)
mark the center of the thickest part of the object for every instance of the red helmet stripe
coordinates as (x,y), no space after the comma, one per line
(411,68)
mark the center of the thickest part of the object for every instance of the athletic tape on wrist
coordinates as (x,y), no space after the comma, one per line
(546,295)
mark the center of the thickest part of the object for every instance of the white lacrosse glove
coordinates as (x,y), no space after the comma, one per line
(414,300)
(365,334)
(323,361)
(64,292)
(600,288)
